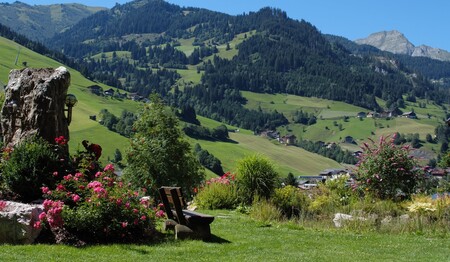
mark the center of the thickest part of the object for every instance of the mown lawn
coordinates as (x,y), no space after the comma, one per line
(238,238)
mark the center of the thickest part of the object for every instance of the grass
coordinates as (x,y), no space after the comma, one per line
(286,158)
(239,238)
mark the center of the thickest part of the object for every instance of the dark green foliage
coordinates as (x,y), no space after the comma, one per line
(304,118)
(208,160)
(29,167)
(334,152)
(256,177)
(158,155)
(122,125)
(290,180)
(220,133)
(117,156)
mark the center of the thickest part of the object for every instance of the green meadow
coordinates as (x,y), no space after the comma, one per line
(237,237)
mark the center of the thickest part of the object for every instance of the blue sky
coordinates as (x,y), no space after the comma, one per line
(422,22)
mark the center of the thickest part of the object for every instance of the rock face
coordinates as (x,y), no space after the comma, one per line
(16,223)
(395,42)
(34,105)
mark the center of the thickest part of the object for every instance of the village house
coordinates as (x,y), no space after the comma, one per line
(288,139)
(361,115)
(109,92)
(410,115)
(96,90)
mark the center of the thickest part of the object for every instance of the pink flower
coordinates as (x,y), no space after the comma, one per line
(45,189)
(159,214)
(143,218)
(94,184)
(37,225)
(42,216)
(79,175)
(55,173)
(124,224)
(60,187)
(135,211)
(127,205)
(119,201)
(109,167)
(76,198)
(98,174)
(68,177)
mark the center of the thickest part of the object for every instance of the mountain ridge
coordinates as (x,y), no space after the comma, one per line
(39,22)
(396,42)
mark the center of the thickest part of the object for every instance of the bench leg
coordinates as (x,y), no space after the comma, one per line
(169,224)
(183,232)
(202,231)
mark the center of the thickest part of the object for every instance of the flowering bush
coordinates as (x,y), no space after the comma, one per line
(386,170)
(100,210)
(2,205)
(218,193)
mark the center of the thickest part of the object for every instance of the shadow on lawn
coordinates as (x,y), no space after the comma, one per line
(217,239)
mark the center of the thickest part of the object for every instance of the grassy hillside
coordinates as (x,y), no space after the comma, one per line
(332,126)
(287,159)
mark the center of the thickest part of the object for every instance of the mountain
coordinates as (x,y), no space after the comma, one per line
(39,22)
(395,42)
(428,67)
(149,46)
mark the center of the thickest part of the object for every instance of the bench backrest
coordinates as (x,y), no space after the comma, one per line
(172,198)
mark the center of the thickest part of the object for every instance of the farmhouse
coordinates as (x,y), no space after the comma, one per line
(96,90)
(410,115)
(109,92)
(288,139)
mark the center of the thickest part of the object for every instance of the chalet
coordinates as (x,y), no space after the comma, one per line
(410,115)
(373,114)
(135,96)
(109,92)
(288,139)
(361,115)
(96,90)
(270,134)
(333,172)
(349,140)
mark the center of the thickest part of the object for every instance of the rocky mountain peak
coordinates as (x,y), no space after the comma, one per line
(391,41)
(396,42)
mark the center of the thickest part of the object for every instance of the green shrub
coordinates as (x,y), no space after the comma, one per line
(265,211)
(218,193)
(29,166)
(291,201)
(256,176)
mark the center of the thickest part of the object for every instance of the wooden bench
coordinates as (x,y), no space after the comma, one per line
(183,221)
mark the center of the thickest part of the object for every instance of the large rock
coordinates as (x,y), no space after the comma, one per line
(16,223)
(34,105)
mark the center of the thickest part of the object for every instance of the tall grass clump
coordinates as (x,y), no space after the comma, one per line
(256,176)
(265,211)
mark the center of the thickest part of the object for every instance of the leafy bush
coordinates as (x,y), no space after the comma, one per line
(291,201)
(218,193)
(100,210)
(29,166)
(265,211)
(159,155)
(256,176)
(387,171)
